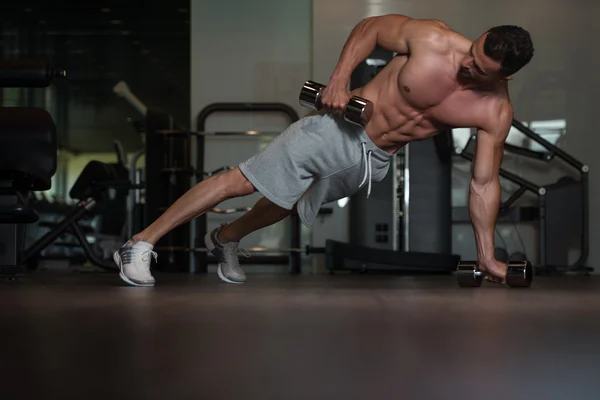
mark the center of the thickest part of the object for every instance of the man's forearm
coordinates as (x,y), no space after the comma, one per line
(484,203)
(388,31)
(358,46)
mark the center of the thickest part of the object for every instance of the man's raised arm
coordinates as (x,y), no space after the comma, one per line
(393,32)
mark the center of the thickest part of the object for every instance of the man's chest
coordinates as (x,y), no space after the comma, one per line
(460,110)
(433,91)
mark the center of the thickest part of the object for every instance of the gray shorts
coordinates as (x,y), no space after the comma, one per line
(316,160)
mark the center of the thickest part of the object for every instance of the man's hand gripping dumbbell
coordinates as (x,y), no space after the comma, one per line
(318,97)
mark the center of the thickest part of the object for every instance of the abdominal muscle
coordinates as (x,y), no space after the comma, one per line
(394,122)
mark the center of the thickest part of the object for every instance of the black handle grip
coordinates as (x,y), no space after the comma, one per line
(28,73)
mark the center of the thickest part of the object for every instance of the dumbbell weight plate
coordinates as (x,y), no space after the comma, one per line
(310,95)
(358,111)
(519,274)
(468,275)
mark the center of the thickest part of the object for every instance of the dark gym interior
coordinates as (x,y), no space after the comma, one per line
(110,111)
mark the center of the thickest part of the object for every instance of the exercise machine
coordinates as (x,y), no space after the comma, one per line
(28,157)
(91,190)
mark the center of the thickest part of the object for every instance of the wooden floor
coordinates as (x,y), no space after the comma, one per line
(87,336)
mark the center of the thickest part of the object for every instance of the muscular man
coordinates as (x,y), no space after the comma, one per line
(438,80)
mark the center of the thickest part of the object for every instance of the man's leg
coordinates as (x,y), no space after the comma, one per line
(134,257)
(223,241)
(263,214)
(196,201)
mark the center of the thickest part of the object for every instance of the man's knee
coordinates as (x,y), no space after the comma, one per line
(236,184)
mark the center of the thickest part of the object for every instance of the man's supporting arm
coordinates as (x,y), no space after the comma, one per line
(484,190)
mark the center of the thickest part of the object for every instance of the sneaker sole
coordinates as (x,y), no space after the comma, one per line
(124,278)
(224,279)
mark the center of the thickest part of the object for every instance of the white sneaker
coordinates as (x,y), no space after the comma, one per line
(134,262)
(228,264)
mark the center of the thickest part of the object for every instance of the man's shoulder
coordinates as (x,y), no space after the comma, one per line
(430,25)
(434,35)
(431,28)
(497,116)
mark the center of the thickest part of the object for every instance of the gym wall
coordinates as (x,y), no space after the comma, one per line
(263,51)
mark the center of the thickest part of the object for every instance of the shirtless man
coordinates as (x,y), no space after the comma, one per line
(438,80)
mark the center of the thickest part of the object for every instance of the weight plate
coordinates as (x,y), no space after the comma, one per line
(519,274)
(466,275)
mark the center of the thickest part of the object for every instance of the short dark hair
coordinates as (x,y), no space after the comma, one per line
(510,45)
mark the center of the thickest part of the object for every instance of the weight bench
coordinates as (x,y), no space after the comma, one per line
(91,189)
(28,148)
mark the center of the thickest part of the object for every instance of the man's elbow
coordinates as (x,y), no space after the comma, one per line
(480,185)
(366,26)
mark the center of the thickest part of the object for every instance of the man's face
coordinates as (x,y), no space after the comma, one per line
(477,66)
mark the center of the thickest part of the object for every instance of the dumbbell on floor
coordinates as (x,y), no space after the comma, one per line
(358,110)
(518,274)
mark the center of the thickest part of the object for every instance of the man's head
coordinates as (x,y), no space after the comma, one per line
(498,54)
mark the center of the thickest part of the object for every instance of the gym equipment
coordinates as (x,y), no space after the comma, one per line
(425,195)
(28,145)
(28,74)
(557,228)
(468,274)
(358,110)
(518,274)
(350,257)
(91,191)
(28,157)
(122,90)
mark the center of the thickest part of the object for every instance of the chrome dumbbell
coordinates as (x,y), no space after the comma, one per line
(519,274)
(358,110)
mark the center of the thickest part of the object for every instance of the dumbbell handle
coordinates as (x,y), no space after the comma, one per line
(358,110)
(469,267)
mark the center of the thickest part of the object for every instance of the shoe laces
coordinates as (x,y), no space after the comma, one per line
(236,252)
(146,255)
(243,252)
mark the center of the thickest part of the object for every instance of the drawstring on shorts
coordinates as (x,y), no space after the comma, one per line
(368,173)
